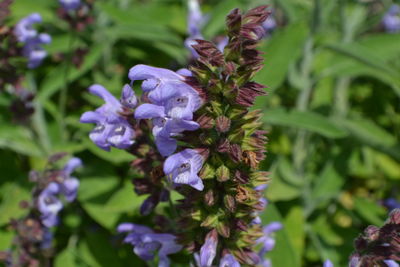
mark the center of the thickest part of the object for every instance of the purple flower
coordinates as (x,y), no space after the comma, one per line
(328,263)
(33,41)
(389,263)
(391,20)
(195,21)
(171,107)
(266,240)
(146,243)
(257,219)
(112,129)
(164,127)
(229,261)
(168,89)
(209,249)
(183,167)
(391,203)
(69,186)
(49,205)
(47,239)
(222,43)
(23,29)
(70,4)
(269,25)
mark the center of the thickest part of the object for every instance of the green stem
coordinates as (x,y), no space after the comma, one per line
(64,90)
(38,119)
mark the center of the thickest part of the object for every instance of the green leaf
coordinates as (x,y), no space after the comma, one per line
(19,139)
(281,50)
(284,253)
(328,184)
(66,258)
(369,210)
(55,79)
(305,120)
(6,238)
(294,225)
(368,132)
(12,195)
(107,207)
(279,189)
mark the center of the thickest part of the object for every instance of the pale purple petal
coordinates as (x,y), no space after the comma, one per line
(144,72)
(184,72)
(149,111)
(328,263)
(121,135)
(128,97)
(71,165)
(208,251)
(23,29)
(229,261)
(70,4)
(389,263)
(49,205)
(165,145)
(100,134)
(92,117)
(70,188)
(113,104)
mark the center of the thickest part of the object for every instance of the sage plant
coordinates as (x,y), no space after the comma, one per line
(193,131)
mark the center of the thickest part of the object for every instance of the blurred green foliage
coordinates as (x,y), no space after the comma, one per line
(333,113)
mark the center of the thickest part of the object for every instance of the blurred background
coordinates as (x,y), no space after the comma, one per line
(332,111)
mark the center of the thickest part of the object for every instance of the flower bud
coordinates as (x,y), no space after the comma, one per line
(223,124)
(222,173)
(230,203)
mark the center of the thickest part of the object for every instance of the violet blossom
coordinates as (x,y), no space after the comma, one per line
(267,241)
(195,22)
(33,41)
(49,203)
(112,129)
(229,261)
(209,249)
(70,4)
(146,243)
(183,167)
(171,107)
(328,263)
(391,20)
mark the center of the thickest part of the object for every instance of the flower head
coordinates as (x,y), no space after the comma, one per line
(33,41)
(328,263)
(147,244)
(183,167)
(49,205)
(229,261)
(69,186)
(391,20)
(70,4)
(112,129)
(267,240)
(209,249)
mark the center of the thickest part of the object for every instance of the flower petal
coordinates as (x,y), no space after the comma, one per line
(149,111)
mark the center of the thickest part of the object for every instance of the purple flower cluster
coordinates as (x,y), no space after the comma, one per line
(70,4)
(112,128)
(147,243)
(391,20)
(32,40)
(268,242)
(49,203)
(171,104)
